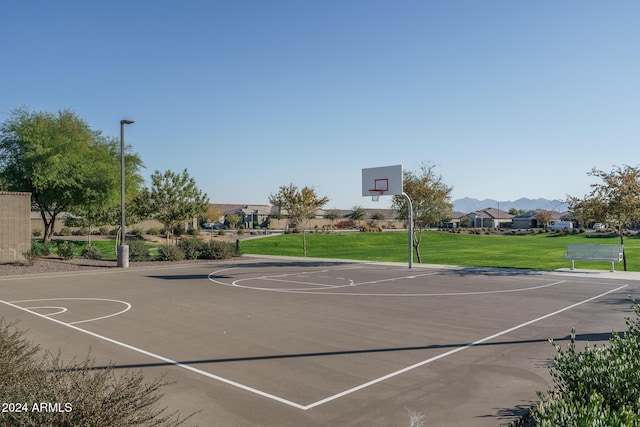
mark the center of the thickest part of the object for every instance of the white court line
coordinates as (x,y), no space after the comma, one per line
(127,305)
(62,309)
(237,284)
(455,350)
(161,358)
(327,399)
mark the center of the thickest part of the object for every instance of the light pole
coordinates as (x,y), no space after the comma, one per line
(123,249)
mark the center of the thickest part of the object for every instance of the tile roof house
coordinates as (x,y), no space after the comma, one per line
(529,219)
(488,218)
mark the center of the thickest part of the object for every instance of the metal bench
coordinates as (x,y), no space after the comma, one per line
(611,253)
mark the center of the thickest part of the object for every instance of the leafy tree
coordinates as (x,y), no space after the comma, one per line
(106,209)
(213,214)
(301,205)
(431,199)
(615,201)
(357,214)
(175,198)
(232,219)
(377,216)
(544,217)
(331,216)
(516,211)
(60,160)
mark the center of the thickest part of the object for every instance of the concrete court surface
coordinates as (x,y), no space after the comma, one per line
(282,342)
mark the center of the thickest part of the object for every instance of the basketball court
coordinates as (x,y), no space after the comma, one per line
(290,342)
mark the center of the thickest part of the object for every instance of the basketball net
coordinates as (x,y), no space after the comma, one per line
(375,195)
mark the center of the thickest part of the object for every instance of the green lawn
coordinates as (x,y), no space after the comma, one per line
(535,251)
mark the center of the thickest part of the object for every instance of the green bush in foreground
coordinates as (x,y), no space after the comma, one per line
(138,251)
(215,249)
(91,252)
(599,386)
(45,391)
(170,253)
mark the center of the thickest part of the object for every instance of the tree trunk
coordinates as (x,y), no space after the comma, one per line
(417,237)
(304,243)
(624,253)
(48,226)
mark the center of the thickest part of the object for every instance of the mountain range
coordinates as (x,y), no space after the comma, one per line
(468,204)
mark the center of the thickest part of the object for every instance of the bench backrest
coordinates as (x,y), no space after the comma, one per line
(599,252)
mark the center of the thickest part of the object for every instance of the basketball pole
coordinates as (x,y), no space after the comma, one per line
(410,211)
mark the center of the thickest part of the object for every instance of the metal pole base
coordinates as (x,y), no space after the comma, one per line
(123,256)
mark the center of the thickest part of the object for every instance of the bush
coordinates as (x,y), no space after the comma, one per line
(192,248)
(137,233)
(66,249)
(153,231)
(599,386)
(91,252)
(216,249)
(36,233)
(104,231)
(170,253)
(65,231)
(138,251)
(85,394)
(82,231)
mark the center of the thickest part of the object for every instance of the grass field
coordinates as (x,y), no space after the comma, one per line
(535,251)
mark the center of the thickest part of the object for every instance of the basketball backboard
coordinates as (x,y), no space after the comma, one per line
(382,181)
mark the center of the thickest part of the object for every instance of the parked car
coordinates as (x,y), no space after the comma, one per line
(599,226)
(561,225)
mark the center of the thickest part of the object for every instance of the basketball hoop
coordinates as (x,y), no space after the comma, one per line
(375,194)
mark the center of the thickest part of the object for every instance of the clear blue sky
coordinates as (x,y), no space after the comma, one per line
(509,99)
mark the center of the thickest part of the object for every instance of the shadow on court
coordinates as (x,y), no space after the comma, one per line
(597,337)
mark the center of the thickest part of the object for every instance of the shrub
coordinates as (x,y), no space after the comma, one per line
(599,386)
(153,231)
(87,395)
(66,249)
(216,249)
(137,233)
(192,248)
(39,249)
(82,231)
(170,253)
(138,251)
(91,252)
(347,223)
(104,230)
(65,231)
(36,233)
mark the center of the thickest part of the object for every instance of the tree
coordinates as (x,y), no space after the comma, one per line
(615,201)
(544,217)
(357,214)
(232,219)
(377,216)
(301,205)
(60,160)
(431,199)
(331,216)
(213,214)
(175,198)
(105,208)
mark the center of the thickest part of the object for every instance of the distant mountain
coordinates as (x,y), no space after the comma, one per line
(468,204)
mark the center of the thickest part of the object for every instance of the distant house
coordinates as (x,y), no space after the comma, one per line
(488,218)
(249,214)
(529,219)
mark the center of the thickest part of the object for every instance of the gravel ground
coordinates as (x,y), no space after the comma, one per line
(55,265)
